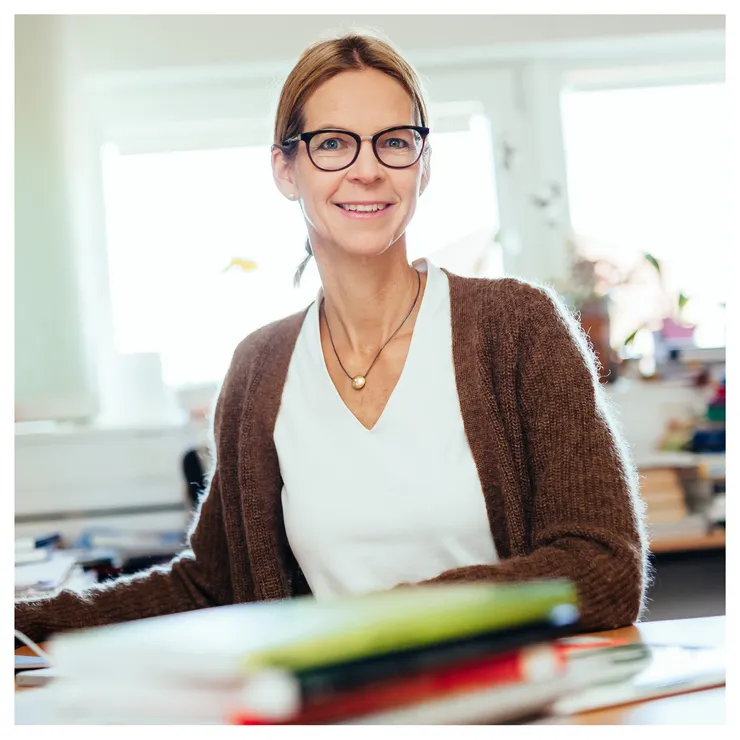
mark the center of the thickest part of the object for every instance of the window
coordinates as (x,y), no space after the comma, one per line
(175,221)
(457,219)
(647,172)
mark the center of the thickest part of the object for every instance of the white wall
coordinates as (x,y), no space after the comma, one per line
(118,43)
(52,366)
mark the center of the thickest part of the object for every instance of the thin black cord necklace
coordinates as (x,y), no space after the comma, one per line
(358,381)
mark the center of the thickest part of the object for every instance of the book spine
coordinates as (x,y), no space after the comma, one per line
(327,680)
(316,685)
(538,663)
(485,705)
(422,620)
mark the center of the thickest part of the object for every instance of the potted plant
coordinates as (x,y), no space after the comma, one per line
(673,326)
(588,289)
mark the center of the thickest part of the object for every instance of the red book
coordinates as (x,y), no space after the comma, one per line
(537,663)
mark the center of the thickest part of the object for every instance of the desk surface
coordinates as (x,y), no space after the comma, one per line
(700,707)
(714,540)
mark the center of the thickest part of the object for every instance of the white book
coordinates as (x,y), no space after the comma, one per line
(492,705)
(90,701)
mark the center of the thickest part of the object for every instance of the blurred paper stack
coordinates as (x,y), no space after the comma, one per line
(453,654)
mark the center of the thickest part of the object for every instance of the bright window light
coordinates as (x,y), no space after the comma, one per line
(647,172)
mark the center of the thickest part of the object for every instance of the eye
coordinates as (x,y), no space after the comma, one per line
(400,140)
(330,143)
(395,143)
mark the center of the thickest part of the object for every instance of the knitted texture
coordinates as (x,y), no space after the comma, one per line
(560,490)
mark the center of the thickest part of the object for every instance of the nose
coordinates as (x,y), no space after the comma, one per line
(366,168)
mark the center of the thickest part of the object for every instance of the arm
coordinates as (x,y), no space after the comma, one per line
(197,578)
(586,513)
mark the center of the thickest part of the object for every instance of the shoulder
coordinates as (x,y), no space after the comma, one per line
(256,348)
(531,317)
(248,359)
(512,299)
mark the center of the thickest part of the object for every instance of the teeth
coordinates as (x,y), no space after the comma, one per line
(369,209)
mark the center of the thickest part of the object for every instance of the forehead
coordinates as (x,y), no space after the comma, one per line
(364,101)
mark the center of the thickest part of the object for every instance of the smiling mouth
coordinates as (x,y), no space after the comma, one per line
(357,208)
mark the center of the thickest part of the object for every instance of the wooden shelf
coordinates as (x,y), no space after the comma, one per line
(687,542)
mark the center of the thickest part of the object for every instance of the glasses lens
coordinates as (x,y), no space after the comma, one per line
(332,151)
(400,147)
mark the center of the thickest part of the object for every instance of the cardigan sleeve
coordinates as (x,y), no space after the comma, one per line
(197,578)
(586,513)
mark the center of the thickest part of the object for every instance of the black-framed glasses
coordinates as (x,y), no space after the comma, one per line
(335,149)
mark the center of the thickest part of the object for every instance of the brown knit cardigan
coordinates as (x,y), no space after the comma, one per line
(560,490)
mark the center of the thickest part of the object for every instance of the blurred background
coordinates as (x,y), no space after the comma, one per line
(586,152)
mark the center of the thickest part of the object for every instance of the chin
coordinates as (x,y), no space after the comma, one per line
(366,247)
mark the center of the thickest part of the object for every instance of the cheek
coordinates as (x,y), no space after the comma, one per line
(317,190)
(407,183)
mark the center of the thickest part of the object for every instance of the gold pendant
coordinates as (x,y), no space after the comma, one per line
(358,382)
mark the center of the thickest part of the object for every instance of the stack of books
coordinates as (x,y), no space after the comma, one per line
(445,654)
(665,499)
(712,474)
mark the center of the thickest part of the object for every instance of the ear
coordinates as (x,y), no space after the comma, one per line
(282,173)
(426,167)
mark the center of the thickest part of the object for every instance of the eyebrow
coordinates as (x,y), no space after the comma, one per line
(323,126)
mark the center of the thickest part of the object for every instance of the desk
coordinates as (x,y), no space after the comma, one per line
(705,707)
(714,540)
(700,707)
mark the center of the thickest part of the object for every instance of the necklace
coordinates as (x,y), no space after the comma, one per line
(358,381)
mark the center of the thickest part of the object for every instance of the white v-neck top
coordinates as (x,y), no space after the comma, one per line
(368,509)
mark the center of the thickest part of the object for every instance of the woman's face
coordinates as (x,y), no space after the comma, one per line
(363,102)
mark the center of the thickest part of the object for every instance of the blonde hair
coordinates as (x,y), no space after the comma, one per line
(319,63)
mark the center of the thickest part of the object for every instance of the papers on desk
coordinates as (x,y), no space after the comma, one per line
(33,707)
(35,549)
(35,555)
(617,675)
(45,576)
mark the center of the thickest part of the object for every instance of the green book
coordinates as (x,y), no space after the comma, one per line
(306,633)
(362,626)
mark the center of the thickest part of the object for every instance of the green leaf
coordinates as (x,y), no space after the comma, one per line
(631,338)
(682,301)
(654,262)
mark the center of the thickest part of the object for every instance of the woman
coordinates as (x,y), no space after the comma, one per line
(410,426)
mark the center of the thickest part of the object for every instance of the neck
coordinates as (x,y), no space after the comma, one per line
(365,299)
